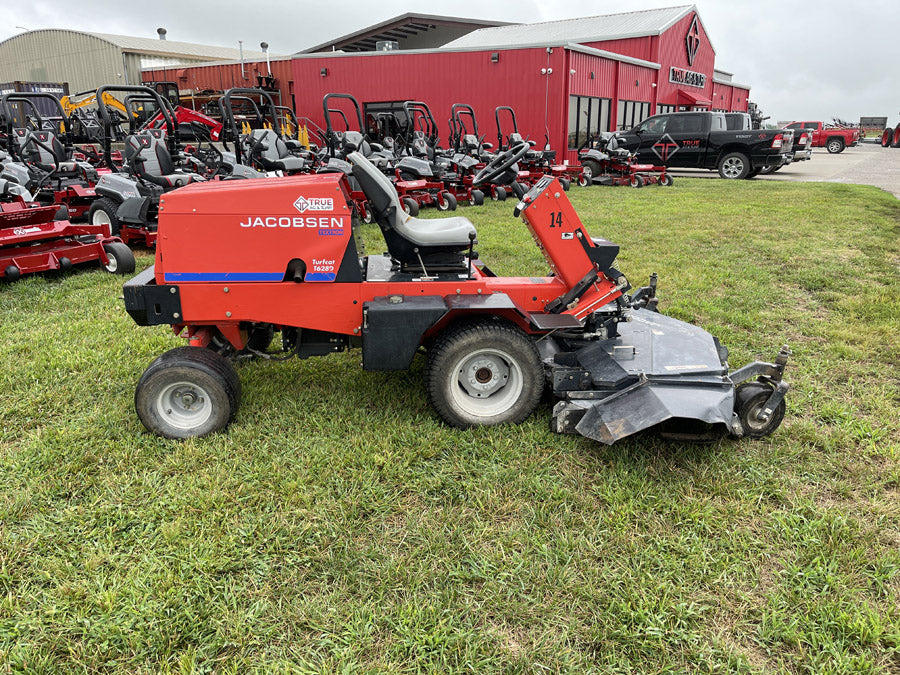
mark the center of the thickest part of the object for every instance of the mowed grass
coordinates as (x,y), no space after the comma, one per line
(339,526)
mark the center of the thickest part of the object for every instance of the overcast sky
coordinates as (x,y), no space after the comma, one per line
(804,60)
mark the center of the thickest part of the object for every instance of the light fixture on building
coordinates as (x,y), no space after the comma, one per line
(323,72)
(495,57)
(637,83)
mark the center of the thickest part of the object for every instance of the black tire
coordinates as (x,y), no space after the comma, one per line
(12,273)
(449,202)
(666,180)
(749,399)
(505,377)
(498,193)
(102,212)
(593,166)
(411,206)
(206,378)
(366,216)
(834,145)
(636,182)
(476,198)
(753,173)
(895,141)
(584,180)
(121,259)
(734,166)
(886,137)
(566,184)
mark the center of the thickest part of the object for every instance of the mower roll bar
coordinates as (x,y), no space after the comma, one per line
(228,114)
(515,126)
(329,130)
(411,109)
(171,136)
(458,127)
(226,127)
(26,97)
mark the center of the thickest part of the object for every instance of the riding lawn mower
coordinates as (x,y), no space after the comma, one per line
(280,255)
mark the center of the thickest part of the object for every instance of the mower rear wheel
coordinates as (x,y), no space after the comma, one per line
(749,400)
(476,198)
(120,258)
(483,373)
(411,206)
(103,212)
(187,392)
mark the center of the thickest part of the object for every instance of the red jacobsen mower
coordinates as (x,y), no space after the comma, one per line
(39,238)
(280,255)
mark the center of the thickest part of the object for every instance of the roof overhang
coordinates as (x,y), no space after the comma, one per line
(690,98)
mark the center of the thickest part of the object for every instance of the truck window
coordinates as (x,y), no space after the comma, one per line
(687,124)
(654,125)
(794,126)
(811,125)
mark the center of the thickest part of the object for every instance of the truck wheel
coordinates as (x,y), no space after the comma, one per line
(749,399)
(483,373)
(895,141)
(886,137)
(103,212)
(835,145)
(120,259)
(734,166)
(187,392)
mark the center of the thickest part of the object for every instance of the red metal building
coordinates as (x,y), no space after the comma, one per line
(565,79)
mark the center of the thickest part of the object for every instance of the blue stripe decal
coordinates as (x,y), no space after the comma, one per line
(320,276)
(224,276)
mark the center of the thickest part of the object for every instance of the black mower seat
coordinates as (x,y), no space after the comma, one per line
(272,152)
(444,233)
(147,155)
(42,158)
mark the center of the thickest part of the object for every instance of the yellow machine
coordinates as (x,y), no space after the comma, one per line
(72,103)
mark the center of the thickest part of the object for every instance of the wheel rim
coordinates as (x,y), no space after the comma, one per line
(486,383)
(834,146)
(101,217)
(184,405)
(113,263)
(753,420)
(732,167)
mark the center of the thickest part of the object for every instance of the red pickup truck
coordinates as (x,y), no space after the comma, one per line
(834,139)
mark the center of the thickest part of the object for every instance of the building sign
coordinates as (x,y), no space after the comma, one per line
(687,77)
(692,41)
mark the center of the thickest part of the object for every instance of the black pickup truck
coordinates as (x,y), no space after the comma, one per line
(701,140)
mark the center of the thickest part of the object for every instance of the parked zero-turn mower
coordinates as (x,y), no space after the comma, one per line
(609,164)
(280,255)
(38,237)
(128,200)
(46,167)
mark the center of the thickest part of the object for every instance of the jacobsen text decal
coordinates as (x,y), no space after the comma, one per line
(325,224)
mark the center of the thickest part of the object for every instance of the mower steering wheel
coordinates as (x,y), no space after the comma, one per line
(501,164)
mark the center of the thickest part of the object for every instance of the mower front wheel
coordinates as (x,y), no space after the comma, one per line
(749,400)
(484,373)
(187,392)
(446,202)
(666,180)
(103,212)
(411,206)
(476,198)
(584,179)
(120,259)
(498,193)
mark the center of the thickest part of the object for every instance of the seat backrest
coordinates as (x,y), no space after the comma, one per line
(148,156)
(39,154)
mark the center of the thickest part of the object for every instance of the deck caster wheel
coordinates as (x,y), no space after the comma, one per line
(446,202)
(666,180)
(411,206)
(187,392)
(65,264)
(584,180)
(498,193)
(120,258)
(476,198)
(366,215)
(749,399)
(12,273)
(636,182)
(566,184)
(483,373)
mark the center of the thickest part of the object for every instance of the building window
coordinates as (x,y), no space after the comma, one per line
(588,116)
(664,109)
(632,113)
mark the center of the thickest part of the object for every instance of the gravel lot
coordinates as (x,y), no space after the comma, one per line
(866,164)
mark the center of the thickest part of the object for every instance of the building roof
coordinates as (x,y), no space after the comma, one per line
(586,29)
(404,27)
(155,46)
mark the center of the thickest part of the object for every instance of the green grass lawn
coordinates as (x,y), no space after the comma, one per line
(339,526)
